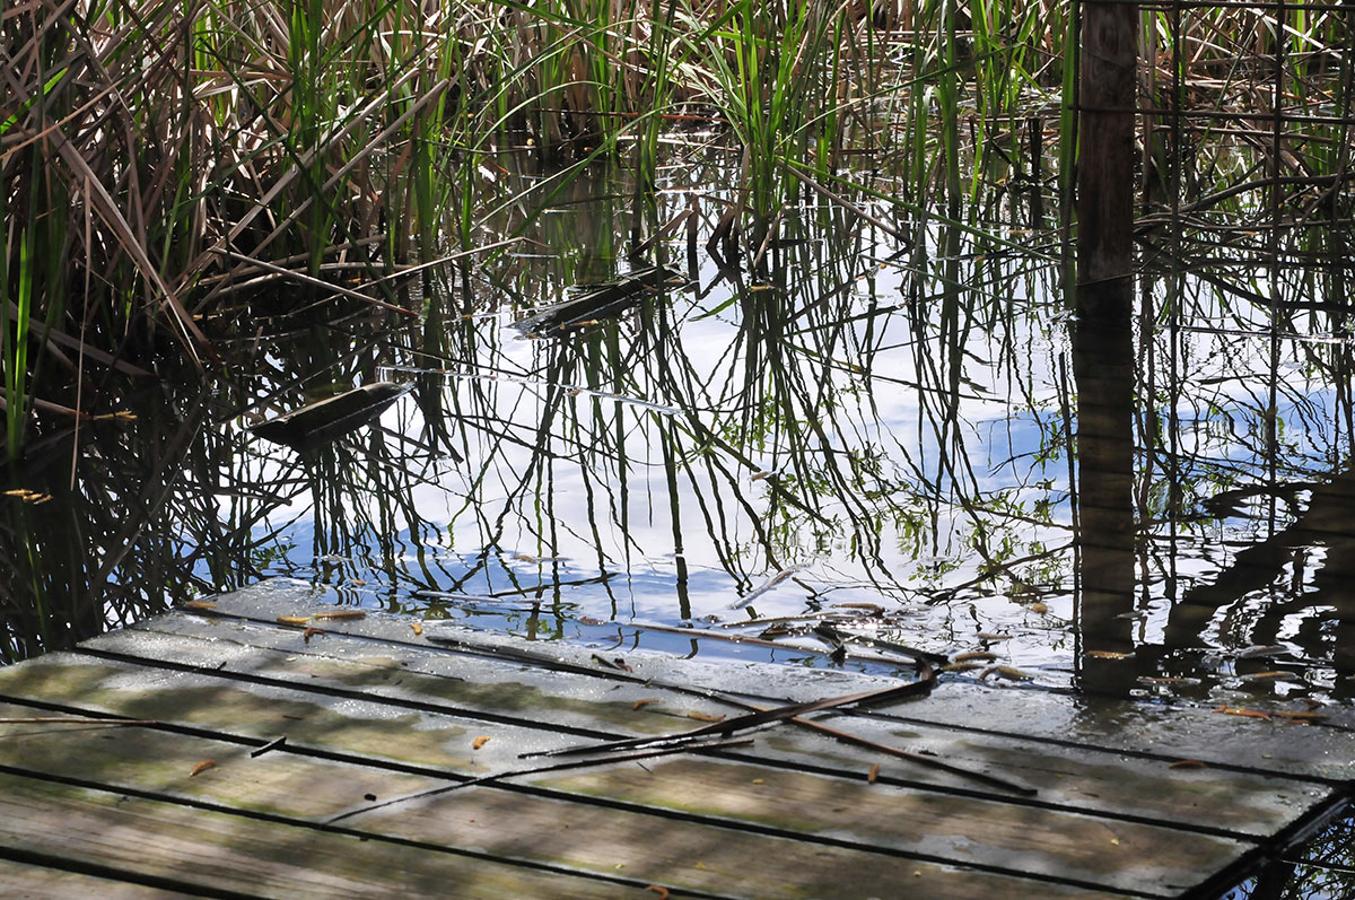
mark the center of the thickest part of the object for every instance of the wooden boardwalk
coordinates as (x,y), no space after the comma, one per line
(372,711)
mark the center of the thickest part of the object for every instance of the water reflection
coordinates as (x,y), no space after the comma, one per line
(859,424)
(1105,527)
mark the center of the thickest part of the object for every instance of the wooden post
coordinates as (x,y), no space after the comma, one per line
(1105,163)
(1103,360)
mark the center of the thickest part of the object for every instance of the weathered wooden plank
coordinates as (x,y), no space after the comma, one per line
(148,759)
(1121,854)
(1071,777)
(690,856)
(1156,730)
(966,830)
(35,882)
(210,850)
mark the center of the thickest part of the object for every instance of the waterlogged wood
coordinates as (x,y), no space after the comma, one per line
(327,420)
(1075,778)
(203,849)
(1166,732)
(263,603)
(1161,731)
(1153,730)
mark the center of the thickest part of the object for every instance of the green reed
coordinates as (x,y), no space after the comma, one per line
(165,154)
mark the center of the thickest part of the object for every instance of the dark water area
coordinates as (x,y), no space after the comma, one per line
(861,440)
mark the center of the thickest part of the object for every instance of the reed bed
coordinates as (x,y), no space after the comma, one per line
(158,158)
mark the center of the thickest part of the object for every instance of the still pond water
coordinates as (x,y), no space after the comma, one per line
(861,440)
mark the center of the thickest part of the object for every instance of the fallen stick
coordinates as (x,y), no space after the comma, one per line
(728,727)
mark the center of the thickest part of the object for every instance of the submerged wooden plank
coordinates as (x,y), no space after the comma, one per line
(1072,777)
(265,601)
(202,849)
(689,855)
(966,830)
(1159,730)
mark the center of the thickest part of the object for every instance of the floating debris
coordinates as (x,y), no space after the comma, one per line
(1243,712)
(27,496)
(700,716)
(1167,680)
(618,663)
(1011,673)
(765,587)
(1258,650)
(974,656)
(1268,676)
(872,609)
(325,421)
(1298,715)
(594,302)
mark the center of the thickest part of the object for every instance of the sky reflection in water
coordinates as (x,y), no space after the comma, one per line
(860,424)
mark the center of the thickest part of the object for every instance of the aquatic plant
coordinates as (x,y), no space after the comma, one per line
(156,159)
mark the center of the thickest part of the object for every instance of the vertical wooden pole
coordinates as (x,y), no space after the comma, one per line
(1103,360)
(1107,98)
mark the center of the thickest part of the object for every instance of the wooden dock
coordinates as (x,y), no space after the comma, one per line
(257,737)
